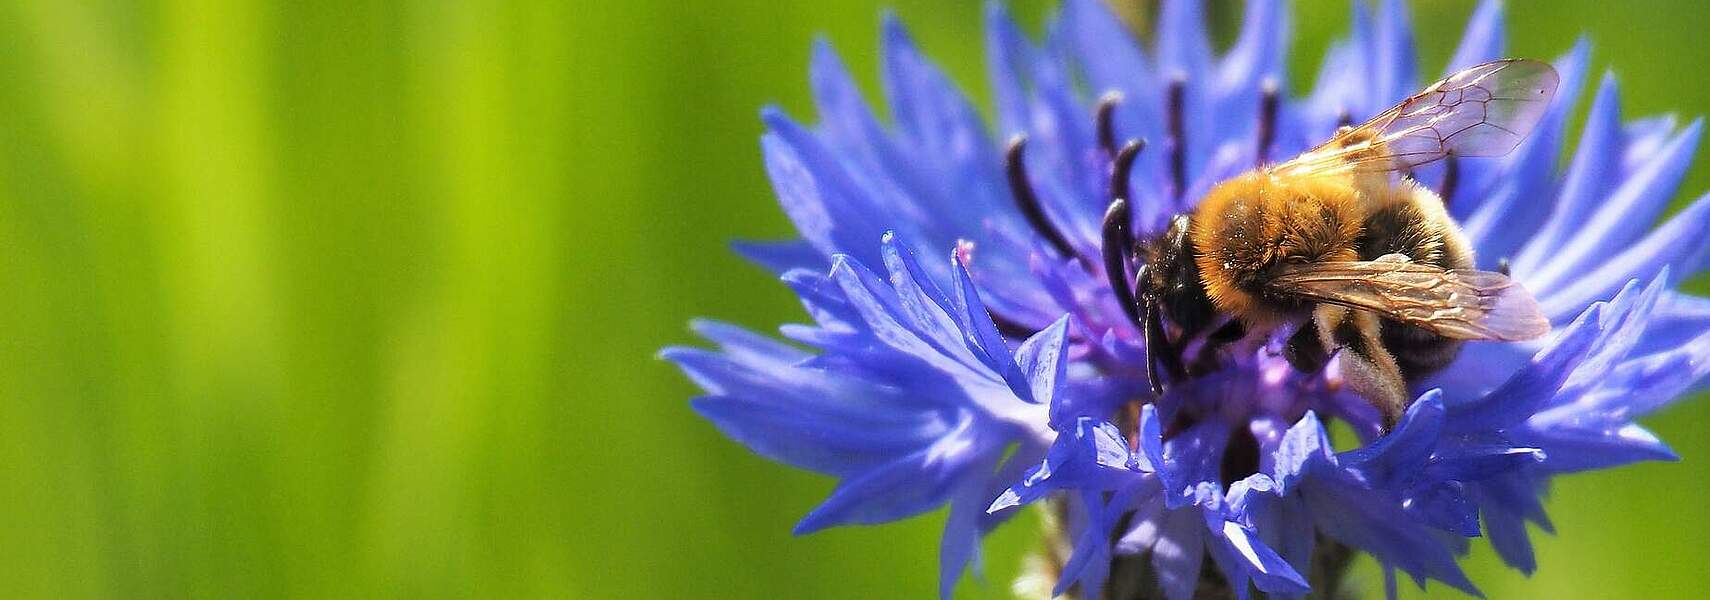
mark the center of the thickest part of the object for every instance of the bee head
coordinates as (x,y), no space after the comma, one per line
(1173,277)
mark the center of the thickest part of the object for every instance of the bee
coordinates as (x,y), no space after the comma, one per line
(1341,243)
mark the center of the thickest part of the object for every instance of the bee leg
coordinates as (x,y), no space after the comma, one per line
(1229,333)
(1367,367)
(1159,351)
(1305,352)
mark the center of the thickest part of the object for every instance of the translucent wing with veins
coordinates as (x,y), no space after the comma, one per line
(1485,110)
(1460,304)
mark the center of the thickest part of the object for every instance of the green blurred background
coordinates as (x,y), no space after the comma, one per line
(357,299)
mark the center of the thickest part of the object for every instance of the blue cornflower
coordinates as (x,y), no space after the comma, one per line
(1003,368)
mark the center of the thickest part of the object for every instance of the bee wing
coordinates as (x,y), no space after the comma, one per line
(1481,111)
(1460,304)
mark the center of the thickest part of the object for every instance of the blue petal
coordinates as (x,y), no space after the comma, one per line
(845,119)
(960,543)
(1678,319)
(1151,439)
(1444,505)
(1255,62)
(913,484)
(1182,45)
(1520,492)
(1268,571)
(1625,215)
(1508,503)
(925,307)
(1501,221)
(982,334)
(1177,555)
(1259,53)
(1008,54)
(800,417)
(1681,242)
(825,303)
(1192,457)
(1624,323)
(1391,55)
(826,206)
(1401,455)
(781,257)
(1374,522)
(1532,386)
(1641,386)
(1573,449)
(1089,563)
(1483,39)
(903,182)
(1507,534)
(1285,524)
(1089,560)
(1042,361)
(742,345)
(1112,60)
(1305,444)
(1590,178)
(1505,220)
(1185,52)
(1334,93)
(955,171)
(810,438)
(1092,456)
(883,311)
(1480,462)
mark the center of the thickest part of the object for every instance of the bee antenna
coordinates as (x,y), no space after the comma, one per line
(1123,166)
(1105,118)
(1178,136)
(1118,246)
(1021,187)
(1268,101)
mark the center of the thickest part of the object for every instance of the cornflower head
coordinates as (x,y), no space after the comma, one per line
(976,342)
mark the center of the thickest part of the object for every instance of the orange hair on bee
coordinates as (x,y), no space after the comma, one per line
(1257,221)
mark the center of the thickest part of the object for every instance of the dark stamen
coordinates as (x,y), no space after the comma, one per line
(1022,189)
(1123,166)
(1106,120)
(1267,121)
(1451,178)
(1502,266)
(1009,328)
(1178,137)
(1346,120)
(1118,246)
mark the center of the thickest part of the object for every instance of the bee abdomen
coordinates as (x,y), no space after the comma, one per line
(1418,352)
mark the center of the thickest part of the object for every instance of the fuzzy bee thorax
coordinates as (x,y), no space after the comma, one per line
(1250,225)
